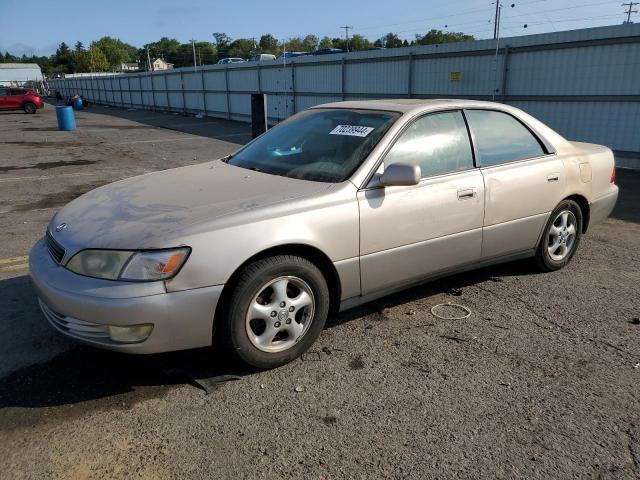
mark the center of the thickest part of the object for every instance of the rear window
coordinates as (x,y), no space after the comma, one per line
(18,91)
(500,138)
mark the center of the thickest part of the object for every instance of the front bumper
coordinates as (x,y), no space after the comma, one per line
(82,307)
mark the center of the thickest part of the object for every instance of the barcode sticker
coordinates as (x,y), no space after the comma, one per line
(351,130)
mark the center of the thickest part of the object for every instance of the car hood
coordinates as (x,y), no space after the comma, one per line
(149,210)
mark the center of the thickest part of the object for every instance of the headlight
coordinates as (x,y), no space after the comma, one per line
(128,265)
(155,265)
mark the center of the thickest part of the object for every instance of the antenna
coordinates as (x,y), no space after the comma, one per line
(346,34)
(630,10)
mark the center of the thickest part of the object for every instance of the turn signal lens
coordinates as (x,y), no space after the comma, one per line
(155,265)
(613,175)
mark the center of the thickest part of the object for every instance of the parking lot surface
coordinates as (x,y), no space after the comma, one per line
(541,381)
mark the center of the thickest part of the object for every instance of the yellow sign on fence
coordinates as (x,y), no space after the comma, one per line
(455,76)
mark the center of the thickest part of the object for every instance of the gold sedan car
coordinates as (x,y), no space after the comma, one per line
(340,204)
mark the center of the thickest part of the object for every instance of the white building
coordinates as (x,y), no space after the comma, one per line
(160,64)
(19,73)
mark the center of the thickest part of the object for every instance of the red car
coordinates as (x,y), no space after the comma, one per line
(20,99)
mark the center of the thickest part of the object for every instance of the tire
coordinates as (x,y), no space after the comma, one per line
(561,237)
(267,302)
(30,108)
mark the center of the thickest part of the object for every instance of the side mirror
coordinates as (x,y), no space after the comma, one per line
(398,174)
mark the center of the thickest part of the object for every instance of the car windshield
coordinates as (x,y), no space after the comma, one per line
(323,145)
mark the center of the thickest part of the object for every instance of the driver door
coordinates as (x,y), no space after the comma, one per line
(408,233)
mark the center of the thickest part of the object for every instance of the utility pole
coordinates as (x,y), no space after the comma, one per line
(630,10)
(148,60)
(193,46)
(346,34)
(496,21)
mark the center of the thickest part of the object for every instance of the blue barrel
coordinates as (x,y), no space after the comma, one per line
(77,104)
(66,118)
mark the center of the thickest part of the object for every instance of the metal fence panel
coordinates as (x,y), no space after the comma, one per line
(583,83)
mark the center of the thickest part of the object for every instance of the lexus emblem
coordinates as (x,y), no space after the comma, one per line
(62,226)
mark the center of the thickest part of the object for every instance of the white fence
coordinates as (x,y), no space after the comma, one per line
(584,83)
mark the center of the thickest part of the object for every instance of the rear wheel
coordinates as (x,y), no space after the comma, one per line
(561,236)
(30,108)
(277,310)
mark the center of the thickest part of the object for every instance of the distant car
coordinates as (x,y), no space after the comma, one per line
(336,206)
(292,54)
(261,57)
(225,61)
(12,98)
(327,51)
(57,75)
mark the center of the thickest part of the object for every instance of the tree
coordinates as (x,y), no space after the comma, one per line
(391,40)
(241,48)
(310,43)
(116,51)
(269,44)
(79,47)
(434,36)
(222,41)
(92,60)
(325,43)
(358,42)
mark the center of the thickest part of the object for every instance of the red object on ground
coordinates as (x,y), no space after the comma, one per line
(12,98)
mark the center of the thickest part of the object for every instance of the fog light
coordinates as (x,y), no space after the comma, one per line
(130,334)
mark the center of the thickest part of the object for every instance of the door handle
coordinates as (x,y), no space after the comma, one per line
(466,193)
(553,177)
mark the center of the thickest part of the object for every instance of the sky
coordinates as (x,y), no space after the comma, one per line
(38,26)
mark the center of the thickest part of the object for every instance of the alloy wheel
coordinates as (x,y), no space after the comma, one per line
(562,235)
(280,314)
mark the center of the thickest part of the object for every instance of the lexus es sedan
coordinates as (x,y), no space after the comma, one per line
(338,205)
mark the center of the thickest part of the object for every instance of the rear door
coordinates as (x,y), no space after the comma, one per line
(15,98)
(523,180)
(410,232)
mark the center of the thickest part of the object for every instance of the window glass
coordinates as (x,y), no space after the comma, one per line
(438,143)
(18,91)
(4,92)
(323,145)
(500,138)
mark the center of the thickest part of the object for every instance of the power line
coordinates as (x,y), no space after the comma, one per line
(630,10)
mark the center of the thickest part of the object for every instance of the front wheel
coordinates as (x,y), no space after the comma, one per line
(30,108)
(561,236)
(277,310)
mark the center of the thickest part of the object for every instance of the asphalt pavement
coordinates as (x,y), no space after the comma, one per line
(541,381)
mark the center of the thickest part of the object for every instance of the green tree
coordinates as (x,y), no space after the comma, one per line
(391,40)
(79,47)
(310,43)
(358,42)
(269,44)
(241,48)
(222,41)
(434,36)
(91,60)
(116,51)
(325,43)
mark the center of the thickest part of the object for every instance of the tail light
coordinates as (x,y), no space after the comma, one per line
(613,175)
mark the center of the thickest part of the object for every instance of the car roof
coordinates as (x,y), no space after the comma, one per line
(406,105)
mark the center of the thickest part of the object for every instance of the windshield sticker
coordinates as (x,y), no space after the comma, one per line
(351,130)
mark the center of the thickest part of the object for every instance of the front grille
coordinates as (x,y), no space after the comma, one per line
(75,327)
(55,249)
